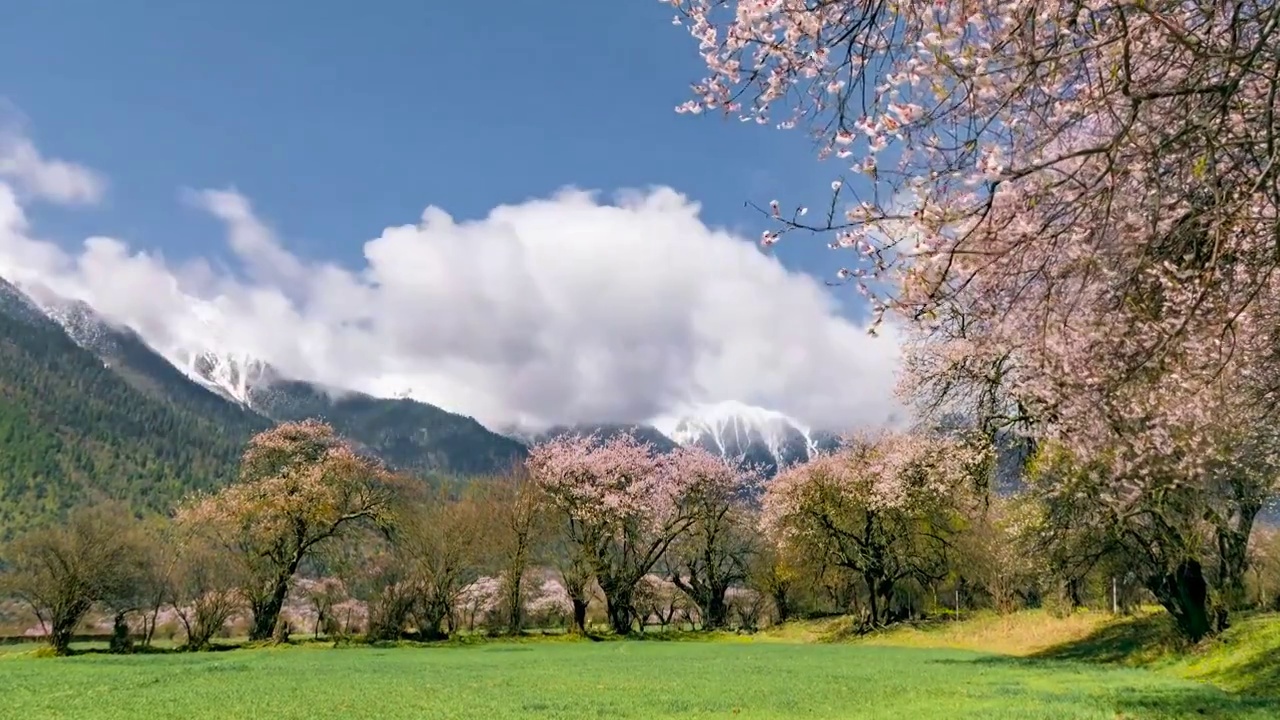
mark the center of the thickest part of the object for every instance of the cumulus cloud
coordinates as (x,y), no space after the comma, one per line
(569,308)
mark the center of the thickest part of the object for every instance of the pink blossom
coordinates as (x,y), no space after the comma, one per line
(1086,250)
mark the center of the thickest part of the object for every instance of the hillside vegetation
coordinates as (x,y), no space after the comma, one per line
(88,411)
(73,431)
(406,434)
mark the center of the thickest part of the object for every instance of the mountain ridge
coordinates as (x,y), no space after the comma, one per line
(75,431)
(249,394)
(89,410)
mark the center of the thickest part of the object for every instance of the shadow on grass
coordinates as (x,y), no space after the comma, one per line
(1244,659)
(1239,672)
(1205,701)
(1148,702)
(153,650)
(1260,675)
(1134,641)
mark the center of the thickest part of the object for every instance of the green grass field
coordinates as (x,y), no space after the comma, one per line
(1025,666)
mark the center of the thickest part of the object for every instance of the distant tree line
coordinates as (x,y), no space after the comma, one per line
(587,532)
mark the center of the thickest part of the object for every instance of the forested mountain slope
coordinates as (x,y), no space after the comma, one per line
(406,434)
(73,430)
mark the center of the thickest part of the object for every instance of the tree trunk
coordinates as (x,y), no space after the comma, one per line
(60,637)
(619,603)
(888,614)
(120,641)
(435,613)
(62,625)
(280,634)
(514,605)
(388,614)
(1185,594)
(618,608)
(151,626)
(782,603)
(1074,593)
(1233,556)
(715,612)
(579,615)
(266,614)
(873,595)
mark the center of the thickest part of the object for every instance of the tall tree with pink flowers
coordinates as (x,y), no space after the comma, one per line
(1073,211)
(621,504)
(715,553)
(886,507)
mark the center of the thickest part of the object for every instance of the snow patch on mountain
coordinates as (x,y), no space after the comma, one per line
(734,429)
(767,439)
(230,374)
(733,424)
(84,326)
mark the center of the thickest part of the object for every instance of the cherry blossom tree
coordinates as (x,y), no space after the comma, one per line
(1264,567)
(994,553)
(577,579)
(658,600)
(747,605)
(376,579)
(622,507)
(1187,538)
(991,136)
(205,589)
(884,506)
(550,604)
(299,485)
(479,602)
(714,554)
(1072,206)
(775,571)
(324,595)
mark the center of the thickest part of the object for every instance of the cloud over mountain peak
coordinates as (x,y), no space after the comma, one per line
(558,310)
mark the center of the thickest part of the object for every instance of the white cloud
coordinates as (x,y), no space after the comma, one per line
(555,310)
(54,180)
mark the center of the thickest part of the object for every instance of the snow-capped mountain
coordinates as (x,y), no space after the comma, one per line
(88,329)
(236,394)
(764,438)
(760,436)
(232,375)
(229,375)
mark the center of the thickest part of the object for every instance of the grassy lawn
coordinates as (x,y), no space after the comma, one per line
(742,679)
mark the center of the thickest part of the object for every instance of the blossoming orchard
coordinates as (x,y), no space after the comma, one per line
(1072,209)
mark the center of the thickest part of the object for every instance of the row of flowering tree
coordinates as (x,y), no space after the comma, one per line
(1070,212)
(623,509)
(310,524)
(313,537)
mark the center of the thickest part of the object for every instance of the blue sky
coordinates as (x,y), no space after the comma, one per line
(338,119)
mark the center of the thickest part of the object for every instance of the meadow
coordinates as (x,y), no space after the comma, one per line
(1030,666)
